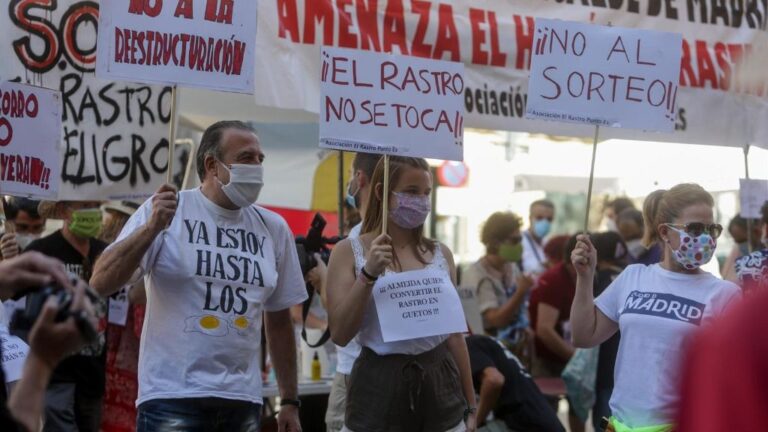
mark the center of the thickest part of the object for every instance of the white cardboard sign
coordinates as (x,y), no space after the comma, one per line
(14,355)
(418,304)
(390,104)
(30,131)
(753,194)
(196,43)
(605,76)
(114,135)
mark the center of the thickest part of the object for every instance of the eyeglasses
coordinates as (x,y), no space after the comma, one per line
(695,229)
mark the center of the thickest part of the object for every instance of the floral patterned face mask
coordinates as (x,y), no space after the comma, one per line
(694,251)
(411,210)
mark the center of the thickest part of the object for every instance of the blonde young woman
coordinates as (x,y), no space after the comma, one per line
(657,307)
(420,384)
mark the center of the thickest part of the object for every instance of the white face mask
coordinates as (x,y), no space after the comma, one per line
(23,240)
(635,248)
(245,183)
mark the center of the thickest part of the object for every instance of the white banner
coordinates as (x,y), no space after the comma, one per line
(604,76)
(494,39)
(197,43)
(417,304)
(389,104)
(114,135)
(753,194)
(30,129)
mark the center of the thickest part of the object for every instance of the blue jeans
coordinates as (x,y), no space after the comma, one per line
(198,415)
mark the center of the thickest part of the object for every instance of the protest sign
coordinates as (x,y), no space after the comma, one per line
(395,105)
(14,355)
(604,76)
(114,137)
(196,43)
(30,130)
(417,304)
(495,42)
(753,194)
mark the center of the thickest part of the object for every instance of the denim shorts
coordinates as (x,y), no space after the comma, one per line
(198,415)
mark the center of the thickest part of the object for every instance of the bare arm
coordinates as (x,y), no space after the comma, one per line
(282,349)
(117,265)
(313,321)
(28,397)
(590,327)
(348,295)
(546,323)
(457,346)
(506,314)
(490,391)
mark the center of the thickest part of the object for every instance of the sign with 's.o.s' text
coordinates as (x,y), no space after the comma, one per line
(30,131)
(196,43)
(605,76)
(113,139)
(388,104)
(417,304)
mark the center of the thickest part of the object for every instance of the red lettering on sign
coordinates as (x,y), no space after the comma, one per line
(524,41)
(394,27)
(447,35)
(418,47)
(320,11)
(366,19)
(288,19)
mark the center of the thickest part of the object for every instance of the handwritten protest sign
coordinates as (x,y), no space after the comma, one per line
(604,76)
(13,356)
(417,304)
(114,137)
(197,43)
(753,194)
(388,104)
(30,130)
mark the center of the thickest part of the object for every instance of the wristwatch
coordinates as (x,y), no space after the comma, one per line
(469,411)
(294,402)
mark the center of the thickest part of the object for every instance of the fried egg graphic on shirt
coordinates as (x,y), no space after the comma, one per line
(207,324)
(241,325)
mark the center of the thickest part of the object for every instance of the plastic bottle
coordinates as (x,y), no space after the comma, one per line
(316,370)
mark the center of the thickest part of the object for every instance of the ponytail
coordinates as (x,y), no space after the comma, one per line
(664,206)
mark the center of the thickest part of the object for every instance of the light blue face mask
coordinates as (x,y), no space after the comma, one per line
(542,227)
(352,197)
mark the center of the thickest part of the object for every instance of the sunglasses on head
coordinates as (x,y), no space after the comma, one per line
(695,229)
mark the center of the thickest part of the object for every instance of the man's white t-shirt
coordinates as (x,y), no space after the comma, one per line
(534,259)
(346,356)
(211,276)
(657,311)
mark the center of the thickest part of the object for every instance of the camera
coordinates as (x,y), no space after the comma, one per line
(314,243)
(24,319)
(307,247)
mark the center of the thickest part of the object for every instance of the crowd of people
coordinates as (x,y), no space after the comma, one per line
(167,301)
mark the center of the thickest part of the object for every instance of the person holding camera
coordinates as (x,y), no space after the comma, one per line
(75,393)
(218,266)
(421,383)
(56,333)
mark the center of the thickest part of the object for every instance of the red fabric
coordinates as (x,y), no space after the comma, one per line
(555,288)
(119,410)
(725,378)
(300,220)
